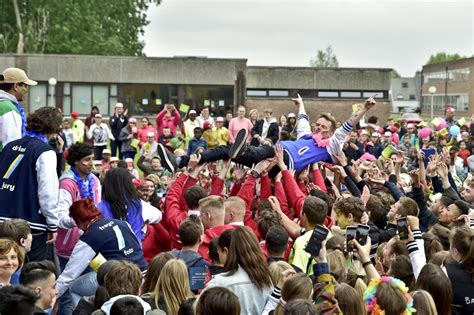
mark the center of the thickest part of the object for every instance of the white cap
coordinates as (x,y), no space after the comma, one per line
(220,119)
(387,134)
(291,115)
(114,159)
(106,151)
(97,162)
(119,105)
(364,132)
(192,111)
(150,134)
(375,134)
(129,160)
(98,116)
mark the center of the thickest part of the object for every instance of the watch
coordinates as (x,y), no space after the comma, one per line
(190,169)
(255,174)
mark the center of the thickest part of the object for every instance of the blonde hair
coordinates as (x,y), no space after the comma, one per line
(213,205)
(337,264)
(349,300)
(236,205)
(423,302)
(356,277)
(173,286)
(276,268)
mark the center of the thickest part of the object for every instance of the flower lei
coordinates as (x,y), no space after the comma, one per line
(37,135)
(22,113)
(371,300)
(87,191)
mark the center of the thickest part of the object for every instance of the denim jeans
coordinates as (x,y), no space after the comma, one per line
(114,146)
(85,285)
(65,301)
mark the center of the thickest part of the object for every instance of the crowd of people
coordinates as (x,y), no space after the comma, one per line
(233,215)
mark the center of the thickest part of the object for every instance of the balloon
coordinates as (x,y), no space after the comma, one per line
(454,130)
(424,132)
(441,125)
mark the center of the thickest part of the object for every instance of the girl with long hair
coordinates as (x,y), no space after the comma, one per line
(246,272)
(172,288)
(120,200)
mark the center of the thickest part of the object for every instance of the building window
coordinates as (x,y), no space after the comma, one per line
(404,84)
(85,96)
(278,93)
(67,98)
(257,93)
(400,97)
(412,97)
(350,94)
(37,96)
(455,75)
(380,94)
(328,94)
(459,102)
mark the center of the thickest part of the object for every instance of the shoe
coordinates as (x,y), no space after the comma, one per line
(240,140)
(167,158)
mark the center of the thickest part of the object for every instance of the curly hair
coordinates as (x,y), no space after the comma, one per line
(78,151)
(45,120)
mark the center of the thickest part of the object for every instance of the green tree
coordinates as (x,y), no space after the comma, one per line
(443,57)
(394,74)
(324,59)
(105,27)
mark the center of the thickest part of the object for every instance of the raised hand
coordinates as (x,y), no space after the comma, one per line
(279,157)
(298,100)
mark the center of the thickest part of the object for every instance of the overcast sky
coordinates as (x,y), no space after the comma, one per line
(399,34)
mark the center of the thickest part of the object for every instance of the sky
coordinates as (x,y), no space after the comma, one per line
(398,34)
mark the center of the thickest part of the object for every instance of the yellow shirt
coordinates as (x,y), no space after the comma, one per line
(298,256)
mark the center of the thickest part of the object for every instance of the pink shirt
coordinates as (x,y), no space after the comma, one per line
(236,124)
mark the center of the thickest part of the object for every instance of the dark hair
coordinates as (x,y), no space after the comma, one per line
(123,278)
(267,219)
(375,208)
(224,240)
(301,306)
(324,197)
(190,230)
(45,120)
(213,254)
(462,206)
(17,299)
(83,210)
(197,129)
(434,280)
(329,117)
(187,307)
(35,271)
(193,195)
(119,192)
(245,252)
(126,306)
(432,244)
(350,205)
(6,86)
(78,151)
(372,120)
(15,229)
(154,270)
(462,241)
(122,164)
(276,240)
(217,301)
(315,210)
(336,242)
(390,298)
(402,269)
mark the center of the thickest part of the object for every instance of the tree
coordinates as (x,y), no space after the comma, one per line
(324,59)
(394,74)
(443,57)
(105,27)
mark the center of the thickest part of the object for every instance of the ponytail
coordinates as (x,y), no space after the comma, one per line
(463,241)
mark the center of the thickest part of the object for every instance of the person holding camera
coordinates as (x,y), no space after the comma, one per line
(168,118)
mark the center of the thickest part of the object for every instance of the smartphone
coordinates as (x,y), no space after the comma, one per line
(428,153)
(315,242)
(351,234)
(362,233)
(402,228)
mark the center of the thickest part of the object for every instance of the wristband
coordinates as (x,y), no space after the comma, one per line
(255,174)
(369,262)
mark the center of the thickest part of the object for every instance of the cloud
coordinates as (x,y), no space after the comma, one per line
(389,34)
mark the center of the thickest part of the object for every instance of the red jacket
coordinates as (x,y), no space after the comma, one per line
(247,192)
(157,240)
(174,213)
(171,122)
(209,234)
(143,134)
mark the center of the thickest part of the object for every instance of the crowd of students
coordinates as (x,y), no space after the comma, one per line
(222,215)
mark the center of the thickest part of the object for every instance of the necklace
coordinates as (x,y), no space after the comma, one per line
(87,191)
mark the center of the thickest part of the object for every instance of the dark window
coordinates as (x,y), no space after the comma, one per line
(404,84)
(412,97)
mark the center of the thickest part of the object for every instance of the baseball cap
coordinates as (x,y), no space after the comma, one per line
(129,160)
(15,75)
(113,158)
(291,115)
(192,111)
(150,134)
(220,119)
(375,134)
(74,114)
(206,125)
(119,105)
(387,134)
(98,116)
(450,109)
(410,126)
(98,162)
(106,151)
(133,120)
